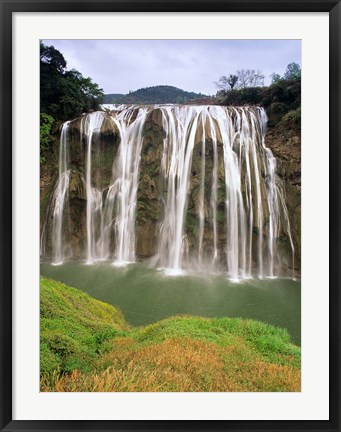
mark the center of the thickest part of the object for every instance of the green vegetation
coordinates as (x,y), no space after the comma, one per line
(74,327)
(153,95)
(281,100)
(64,94)
(278,99)
(293,72)
(46,122)
(292,119)
(87,346)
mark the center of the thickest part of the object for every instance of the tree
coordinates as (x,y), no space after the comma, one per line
(243,78)
(293,72)
(46,122)
(275,78)
(222,84)
(65,94)
(226,83)
(250,78)
(232,80)
(52,57)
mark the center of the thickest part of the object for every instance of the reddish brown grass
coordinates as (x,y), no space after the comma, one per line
(179,365)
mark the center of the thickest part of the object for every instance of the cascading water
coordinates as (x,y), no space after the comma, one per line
(240,209)
(113,209)
(201,212)
(241,132)
(94,196)
(180,125)
(59,198)
(123,188)
(235,213)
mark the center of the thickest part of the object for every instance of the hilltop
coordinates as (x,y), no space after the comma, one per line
(153,95)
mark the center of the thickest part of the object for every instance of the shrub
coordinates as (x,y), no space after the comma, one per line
(46,122)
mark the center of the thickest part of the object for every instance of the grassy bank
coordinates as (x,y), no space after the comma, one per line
(86,345)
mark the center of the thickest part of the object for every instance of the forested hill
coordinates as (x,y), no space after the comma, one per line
(153,95)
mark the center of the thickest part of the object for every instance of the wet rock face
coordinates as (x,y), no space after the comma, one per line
(104,150)
(149,205)
(152,189)
(285,145)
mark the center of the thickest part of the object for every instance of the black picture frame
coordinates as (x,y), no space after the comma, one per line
(7,8)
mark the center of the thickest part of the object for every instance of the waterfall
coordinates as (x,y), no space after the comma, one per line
(94,196)
(248,205)
(112,210)
(222,206)
(59,198)
(123,188)
(180,125)
(236,222)
(214,191)
(201,213)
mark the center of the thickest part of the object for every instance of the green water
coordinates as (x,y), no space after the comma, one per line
(145,295)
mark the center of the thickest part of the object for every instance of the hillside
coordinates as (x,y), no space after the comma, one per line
(153,95)
(86,345)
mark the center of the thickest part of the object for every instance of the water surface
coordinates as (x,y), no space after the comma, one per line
(146,295)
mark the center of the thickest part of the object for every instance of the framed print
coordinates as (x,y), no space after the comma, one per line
(170,249)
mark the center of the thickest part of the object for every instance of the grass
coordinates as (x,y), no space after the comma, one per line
(74,328)
(86,345)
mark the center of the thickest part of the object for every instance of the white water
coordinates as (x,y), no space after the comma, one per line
(59,198)
(214,192)
(180,125)
(249,206)
(243,245)
(201,212)
(112,211)
(123,188)
(91,125)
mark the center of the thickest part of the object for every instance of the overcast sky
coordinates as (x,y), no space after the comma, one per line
(192,65)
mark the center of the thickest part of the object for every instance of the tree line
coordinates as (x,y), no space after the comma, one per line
(64,93)
(154,95)
(281,99)
(245,78)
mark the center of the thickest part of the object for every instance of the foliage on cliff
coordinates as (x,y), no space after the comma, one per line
(46,122)
(153,95)
(64,94)
(282,101)
(87,346)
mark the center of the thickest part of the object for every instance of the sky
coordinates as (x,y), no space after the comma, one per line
(120,66)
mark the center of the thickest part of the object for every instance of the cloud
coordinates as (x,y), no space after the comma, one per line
(193,65)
